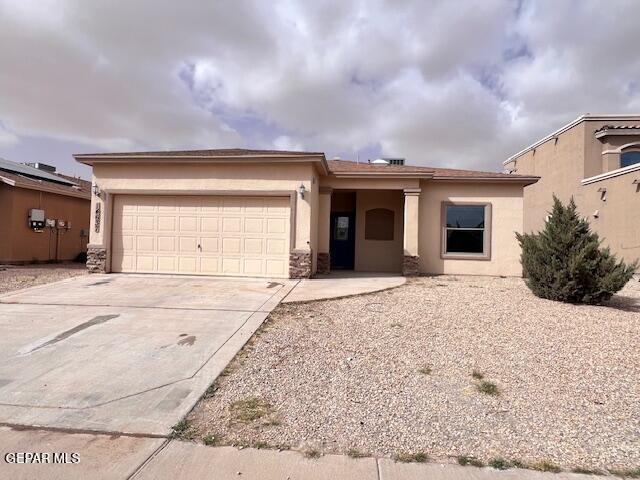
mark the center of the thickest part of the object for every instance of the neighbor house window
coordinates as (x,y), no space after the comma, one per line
(378,224)
(465,230)
(629,158)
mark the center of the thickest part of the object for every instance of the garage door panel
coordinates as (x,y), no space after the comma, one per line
(276,225)
(253,246)
(188,224)
(209,265)
(210,245)
(231,225)
(231,246)
(209,224)
(188,244)
(275,246)
(167,264)
(167,224)
(237,235)
(253,266)
(167,244)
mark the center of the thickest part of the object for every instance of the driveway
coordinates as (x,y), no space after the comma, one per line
(123,353)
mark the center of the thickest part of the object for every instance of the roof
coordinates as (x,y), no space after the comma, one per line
(342,168)
(351,168)
(221,155)
(604,128)
(32,172)
(564,128)
(213,153)
(82,189)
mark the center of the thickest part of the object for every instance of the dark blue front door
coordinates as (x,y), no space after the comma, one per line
(343,240)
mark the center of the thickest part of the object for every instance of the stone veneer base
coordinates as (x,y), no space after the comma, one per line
(411,265)
(324,263)
(96,259)
(300,264)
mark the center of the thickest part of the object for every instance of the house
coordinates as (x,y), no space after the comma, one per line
(293,214)
(596,160)
(45,215)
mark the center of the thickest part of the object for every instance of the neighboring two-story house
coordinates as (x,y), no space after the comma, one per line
(595,159)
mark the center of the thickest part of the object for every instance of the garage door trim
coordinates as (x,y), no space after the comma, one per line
(114,193)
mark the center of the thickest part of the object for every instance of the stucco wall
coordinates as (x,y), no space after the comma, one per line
(194,179)
(507,209)
(21,244)
(618,220)
(379,255)
(560,166)
(563,164)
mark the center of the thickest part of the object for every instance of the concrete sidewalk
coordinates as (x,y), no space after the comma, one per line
(342,284)
(122,457)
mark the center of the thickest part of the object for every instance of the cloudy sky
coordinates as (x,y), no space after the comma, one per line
(442,83)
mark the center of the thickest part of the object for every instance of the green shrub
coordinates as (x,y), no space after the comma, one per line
(564,262)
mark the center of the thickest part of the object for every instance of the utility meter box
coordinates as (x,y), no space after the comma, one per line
(36,218)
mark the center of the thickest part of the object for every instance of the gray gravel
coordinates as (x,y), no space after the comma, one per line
(13,277)
(343,374)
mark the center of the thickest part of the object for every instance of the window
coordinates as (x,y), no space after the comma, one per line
(378,224)
(629,158)
(465,230)
(341,230)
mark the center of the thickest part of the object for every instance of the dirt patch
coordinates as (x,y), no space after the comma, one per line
(509,376)
(18,277)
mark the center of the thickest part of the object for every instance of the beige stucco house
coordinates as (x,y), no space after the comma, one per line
(596,160)
(293,214)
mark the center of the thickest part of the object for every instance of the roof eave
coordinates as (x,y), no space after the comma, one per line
(91,159)
(517,180)
(564,128)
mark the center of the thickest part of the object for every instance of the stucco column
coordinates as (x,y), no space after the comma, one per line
(324,230)
(97,246)
(410,260)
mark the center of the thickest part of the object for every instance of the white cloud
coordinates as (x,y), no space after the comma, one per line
(438,82)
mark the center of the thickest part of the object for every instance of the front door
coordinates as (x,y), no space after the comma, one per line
(343,240)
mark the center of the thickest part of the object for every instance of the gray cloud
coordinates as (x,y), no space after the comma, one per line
(440,82)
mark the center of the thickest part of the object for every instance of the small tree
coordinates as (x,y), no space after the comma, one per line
(564,262)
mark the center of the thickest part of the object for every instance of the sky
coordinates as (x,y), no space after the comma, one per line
(453,83)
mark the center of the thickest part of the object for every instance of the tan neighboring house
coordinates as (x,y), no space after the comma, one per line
(45,215)
(293,214)
(596,160)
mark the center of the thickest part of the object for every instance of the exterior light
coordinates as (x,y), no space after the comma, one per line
(96,190)
(301,190)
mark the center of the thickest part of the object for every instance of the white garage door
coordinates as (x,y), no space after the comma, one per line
(213,235)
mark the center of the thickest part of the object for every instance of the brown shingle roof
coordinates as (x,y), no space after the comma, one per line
(220,152)
(82,190)
(350,167)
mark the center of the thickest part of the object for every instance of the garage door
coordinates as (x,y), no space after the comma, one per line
(213,235)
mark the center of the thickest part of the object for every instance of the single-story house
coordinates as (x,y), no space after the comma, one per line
(45,215)
(264,213)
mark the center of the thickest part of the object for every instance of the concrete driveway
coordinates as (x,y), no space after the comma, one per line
(123,353)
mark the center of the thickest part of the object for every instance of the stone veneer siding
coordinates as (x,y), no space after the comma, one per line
(411,265)
(324,262)
(96,259)
(300,264)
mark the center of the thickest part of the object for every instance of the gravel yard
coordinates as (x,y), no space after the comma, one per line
(392,373)
(14,277)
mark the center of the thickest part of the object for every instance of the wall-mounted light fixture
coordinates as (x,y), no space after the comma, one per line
(96,190)
(302,190)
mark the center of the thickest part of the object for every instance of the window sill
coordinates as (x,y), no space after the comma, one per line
(464,256)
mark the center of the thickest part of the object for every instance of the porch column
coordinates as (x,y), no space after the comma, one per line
(324,230)
(410,259)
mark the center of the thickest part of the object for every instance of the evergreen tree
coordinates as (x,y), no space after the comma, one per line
(564,262)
